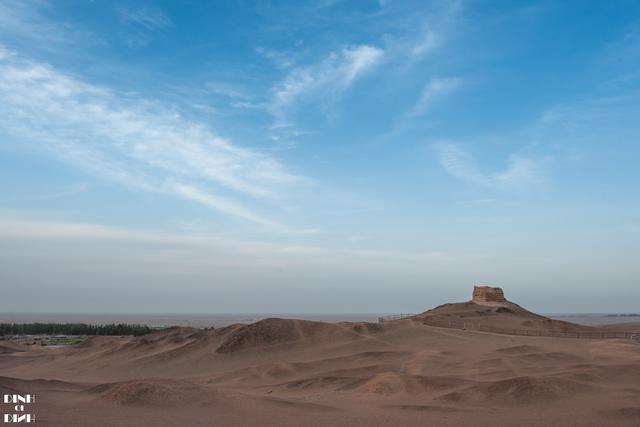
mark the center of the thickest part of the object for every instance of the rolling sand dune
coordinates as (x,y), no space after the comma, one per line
(277,332)
(295,372)
(152,391)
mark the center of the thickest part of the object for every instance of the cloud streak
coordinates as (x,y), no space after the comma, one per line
(328,78)
(39,230)
(150,19)
(72,190)
(435,89)
(141,24)
(430,36)
(427,44)
(135,142)
(521,172)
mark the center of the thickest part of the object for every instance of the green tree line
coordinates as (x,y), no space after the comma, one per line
(72,329)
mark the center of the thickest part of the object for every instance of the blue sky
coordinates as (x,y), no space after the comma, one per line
(326,156)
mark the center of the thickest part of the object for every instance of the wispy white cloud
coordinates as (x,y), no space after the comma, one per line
(220,204)
(432,92)
(34,229)
(328,78)
(133,141)
(435,89)
(228,90)
(282,59)
(141,23)
(432,33)
(4,52)
(483,201)
(150,18)
(426,44)
(357,238)
(72,190)
(521,173)
(29,21)
(37,229)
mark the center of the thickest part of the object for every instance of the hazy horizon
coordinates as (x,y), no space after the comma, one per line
(318,157)
(220,320)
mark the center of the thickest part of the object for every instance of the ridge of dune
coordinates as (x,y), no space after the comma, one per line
(10,348)
(522,389)
(39,384)
(150,391)
(274,331)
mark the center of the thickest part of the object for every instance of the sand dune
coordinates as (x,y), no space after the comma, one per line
(272,332)
(508,316)
(524,389)
(152,391)
(9,348)
(295,372)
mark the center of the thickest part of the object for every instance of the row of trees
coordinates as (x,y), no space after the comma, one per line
(72,329)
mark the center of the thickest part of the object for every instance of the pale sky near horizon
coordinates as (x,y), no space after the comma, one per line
(320,157)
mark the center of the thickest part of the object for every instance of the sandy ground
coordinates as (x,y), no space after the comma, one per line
(284,372)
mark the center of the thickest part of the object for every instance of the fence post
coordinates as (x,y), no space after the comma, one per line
(508,331)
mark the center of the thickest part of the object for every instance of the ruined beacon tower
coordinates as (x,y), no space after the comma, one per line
(486,295)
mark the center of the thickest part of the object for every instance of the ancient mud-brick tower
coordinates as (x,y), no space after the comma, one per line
(487,294)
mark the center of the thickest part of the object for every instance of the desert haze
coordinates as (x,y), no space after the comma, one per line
(441,367)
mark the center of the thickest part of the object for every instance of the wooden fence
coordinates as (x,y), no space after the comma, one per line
(392,317)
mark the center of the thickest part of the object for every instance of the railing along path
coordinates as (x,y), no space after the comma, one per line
(454,324)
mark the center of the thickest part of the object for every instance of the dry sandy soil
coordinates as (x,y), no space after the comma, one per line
(285,372)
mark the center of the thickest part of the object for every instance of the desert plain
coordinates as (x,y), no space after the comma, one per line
(438,368)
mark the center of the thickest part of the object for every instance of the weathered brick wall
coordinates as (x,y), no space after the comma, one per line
(487,294)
